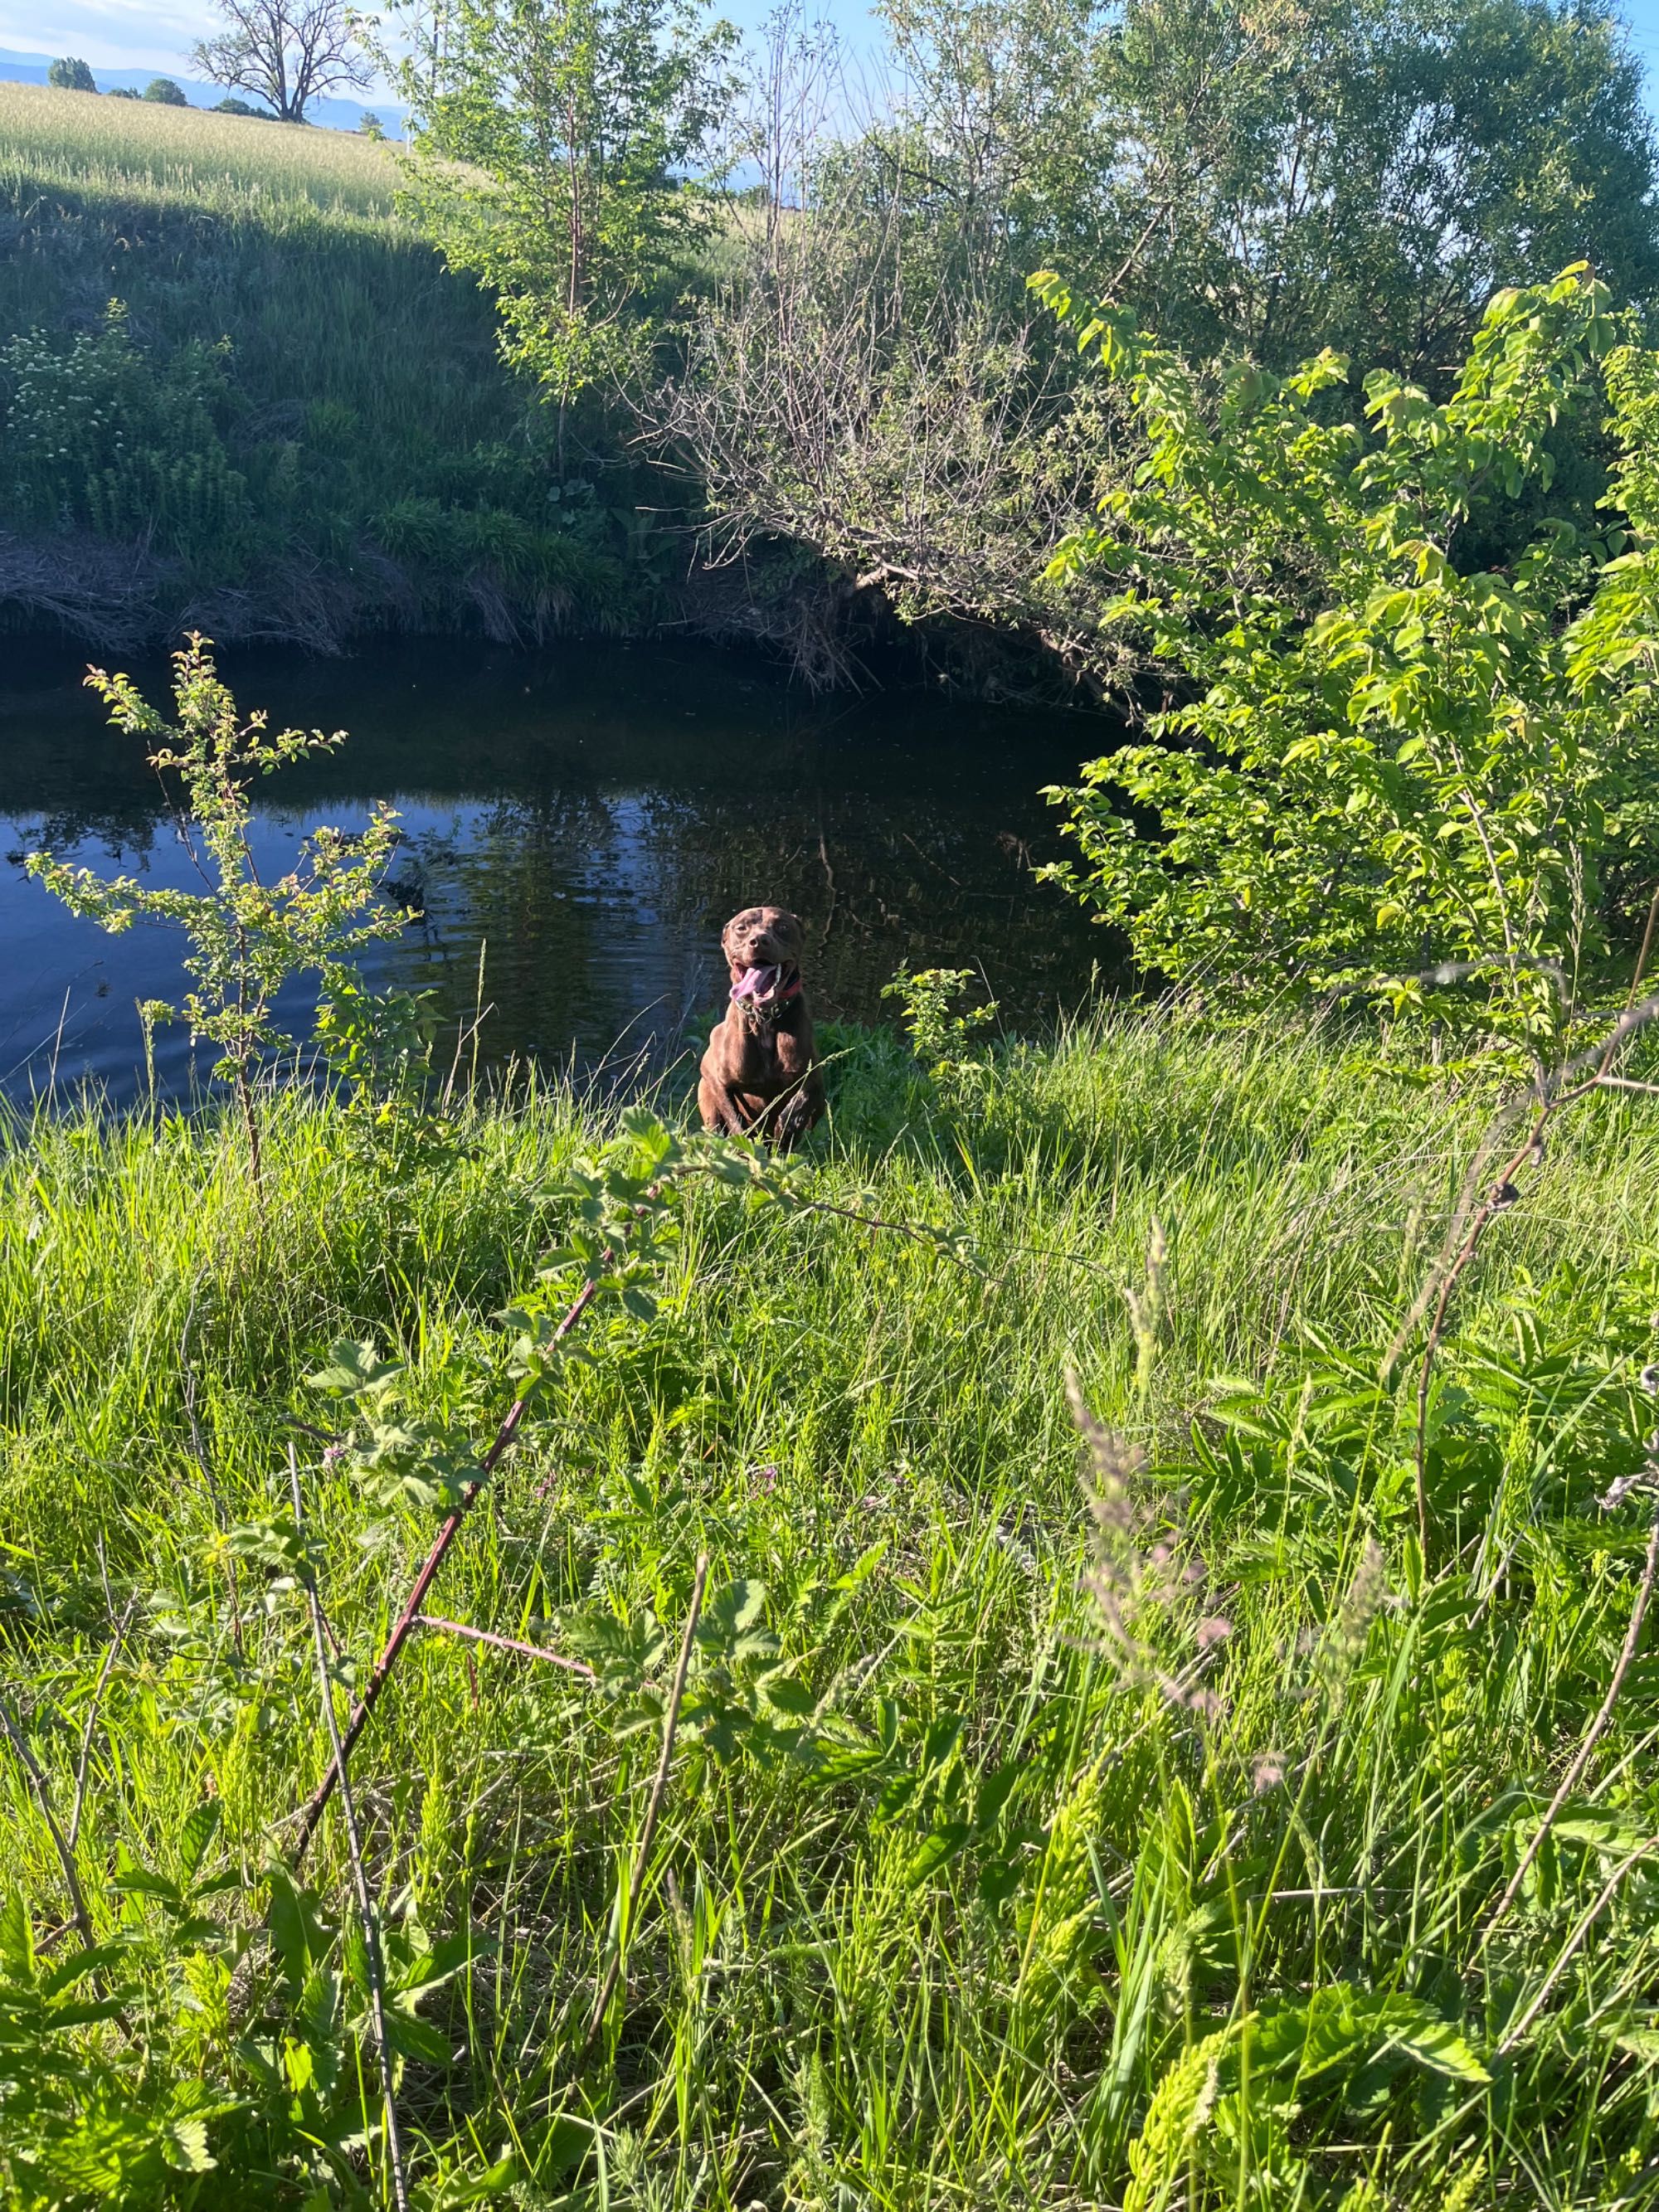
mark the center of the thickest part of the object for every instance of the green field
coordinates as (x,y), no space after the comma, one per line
(190,159)
(361,456)
(971,1887)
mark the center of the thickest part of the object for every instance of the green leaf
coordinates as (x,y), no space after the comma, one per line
(1437,2044)
(787,1696)
(134,1880)
(934,1849)
(411,2037)
(184,2146)
(16,1938)
(198,1832)
(732,1611)
(353,1368)
(992,1795)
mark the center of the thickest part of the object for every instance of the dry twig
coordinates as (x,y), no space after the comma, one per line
(502,1643)
(14,1732)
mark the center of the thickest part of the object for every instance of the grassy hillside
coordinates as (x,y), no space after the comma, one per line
(971,1886)
(304,424)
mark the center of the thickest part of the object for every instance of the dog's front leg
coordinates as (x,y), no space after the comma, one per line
(719,1105)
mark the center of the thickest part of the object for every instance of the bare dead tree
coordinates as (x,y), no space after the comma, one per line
(873,382)
(923,440)
(285,54)
(787,105)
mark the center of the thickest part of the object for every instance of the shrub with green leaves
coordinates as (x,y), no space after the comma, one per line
(247,938)
(1386,769)
(104,436)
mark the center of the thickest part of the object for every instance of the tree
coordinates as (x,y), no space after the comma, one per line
(285,52)
(71,76)
(1363,173)
(165,94)
(1392,772)
(242,108)
(555,143)
(1263,180)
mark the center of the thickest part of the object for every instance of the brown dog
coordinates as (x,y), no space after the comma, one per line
(759,1077)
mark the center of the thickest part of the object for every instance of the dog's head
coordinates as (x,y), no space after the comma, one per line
(763,947)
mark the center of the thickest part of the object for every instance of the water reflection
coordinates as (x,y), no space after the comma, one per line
(586,819)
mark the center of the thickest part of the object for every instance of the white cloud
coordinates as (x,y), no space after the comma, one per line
(108,33)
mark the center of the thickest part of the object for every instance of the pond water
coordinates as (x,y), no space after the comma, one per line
(578,824)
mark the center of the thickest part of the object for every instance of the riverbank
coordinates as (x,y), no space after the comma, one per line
(295,426)
(966,1879)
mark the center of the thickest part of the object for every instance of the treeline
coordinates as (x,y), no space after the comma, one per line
(769,358)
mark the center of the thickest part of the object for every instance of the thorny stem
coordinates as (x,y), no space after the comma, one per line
(374,1960)
(14,1732)
(658,1790)
(406,1619)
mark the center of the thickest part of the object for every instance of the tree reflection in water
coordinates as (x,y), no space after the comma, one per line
(589,818)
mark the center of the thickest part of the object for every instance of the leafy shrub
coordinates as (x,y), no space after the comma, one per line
(103,437)
(940,1039)
(1383,773)
(246,937)
(165,94)
(71,76)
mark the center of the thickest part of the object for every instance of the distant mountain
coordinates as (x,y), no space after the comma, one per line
(330,114)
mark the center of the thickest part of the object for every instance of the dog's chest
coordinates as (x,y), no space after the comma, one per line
(764,1051)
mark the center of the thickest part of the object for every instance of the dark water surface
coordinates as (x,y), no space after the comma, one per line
(580,820)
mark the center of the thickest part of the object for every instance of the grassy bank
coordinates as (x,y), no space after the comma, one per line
(347,450)
(971,1887)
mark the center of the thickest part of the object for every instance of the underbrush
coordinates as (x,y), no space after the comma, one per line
(341,382)
(1125,1820)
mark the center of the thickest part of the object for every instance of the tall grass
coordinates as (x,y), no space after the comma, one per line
(189,158)
(959,1973)
(362,386)
(349,340)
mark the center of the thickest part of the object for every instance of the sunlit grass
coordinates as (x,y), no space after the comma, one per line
(361,371)
(808,2022)
(233,165)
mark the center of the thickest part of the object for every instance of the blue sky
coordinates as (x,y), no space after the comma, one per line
(158,33)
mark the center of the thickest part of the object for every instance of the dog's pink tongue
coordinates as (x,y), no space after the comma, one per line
(755,983)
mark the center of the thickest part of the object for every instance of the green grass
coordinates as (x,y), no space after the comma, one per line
(283,240)
(390,469)
(191,161)
(822,2006)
